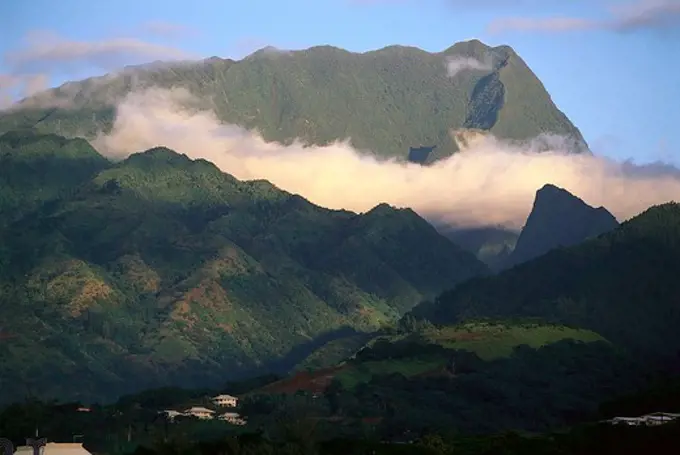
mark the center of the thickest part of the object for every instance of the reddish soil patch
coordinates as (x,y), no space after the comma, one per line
(314,382)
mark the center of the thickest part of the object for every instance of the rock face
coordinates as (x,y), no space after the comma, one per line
(558,219)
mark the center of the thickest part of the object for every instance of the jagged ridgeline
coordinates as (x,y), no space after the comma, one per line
(164,270)
(386,101)
(621,284)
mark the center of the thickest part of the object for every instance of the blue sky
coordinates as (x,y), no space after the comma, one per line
(612,67)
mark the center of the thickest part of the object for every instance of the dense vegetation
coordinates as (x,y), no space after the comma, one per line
(163,270)
(621,285)
(385,101)
(36,168)
(541,389)
(414,387)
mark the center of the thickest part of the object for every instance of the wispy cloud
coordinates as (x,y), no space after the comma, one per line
(631,16)
(45,52)
(23,84)
(647,14)
(29,68)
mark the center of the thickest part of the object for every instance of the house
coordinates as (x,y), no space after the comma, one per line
(656,418)
(659,418)
(232,417)
(632,421)
(225,400)
(200,412)
(55,448)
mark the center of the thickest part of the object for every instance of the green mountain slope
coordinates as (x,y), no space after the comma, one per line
(622,285)
(385,100)
(163,270)
(35,168)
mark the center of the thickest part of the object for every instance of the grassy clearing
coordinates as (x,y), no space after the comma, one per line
(489,340)
(493,340)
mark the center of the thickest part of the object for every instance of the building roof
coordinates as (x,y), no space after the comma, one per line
(56,448)
(230,414)
(224,397)
(199,409)
(663,414)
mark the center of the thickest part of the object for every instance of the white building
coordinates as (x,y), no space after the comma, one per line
(55,448)
(659,418)
(232,417)
(656,418)
(225,400)
(200,412)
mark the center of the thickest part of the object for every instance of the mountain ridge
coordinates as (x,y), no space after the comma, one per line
(619,284)
(323,94)
(160,270)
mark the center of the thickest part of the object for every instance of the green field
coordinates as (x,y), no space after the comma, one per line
(489,340)
(493,340)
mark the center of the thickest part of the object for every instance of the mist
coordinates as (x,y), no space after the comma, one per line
(455,65)
(489,183)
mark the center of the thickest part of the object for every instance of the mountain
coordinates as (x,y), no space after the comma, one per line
(163,270)
(386,100)
(35,168)
(558,219)
(621,285)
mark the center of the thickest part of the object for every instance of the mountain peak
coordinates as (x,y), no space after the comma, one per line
(549,190)
(559,219)
(550,194)
(156,156)
(470,45)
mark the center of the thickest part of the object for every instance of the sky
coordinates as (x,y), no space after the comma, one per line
(611,66)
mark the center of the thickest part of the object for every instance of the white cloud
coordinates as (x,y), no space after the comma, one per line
(455,65)
(491,183)
(629,16)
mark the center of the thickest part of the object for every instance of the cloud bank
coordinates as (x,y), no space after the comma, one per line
(491,183)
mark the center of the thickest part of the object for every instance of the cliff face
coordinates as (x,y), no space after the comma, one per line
(558,219)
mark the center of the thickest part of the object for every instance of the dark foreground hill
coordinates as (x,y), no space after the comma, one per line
(386,100)
(163,270)
(622,285)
